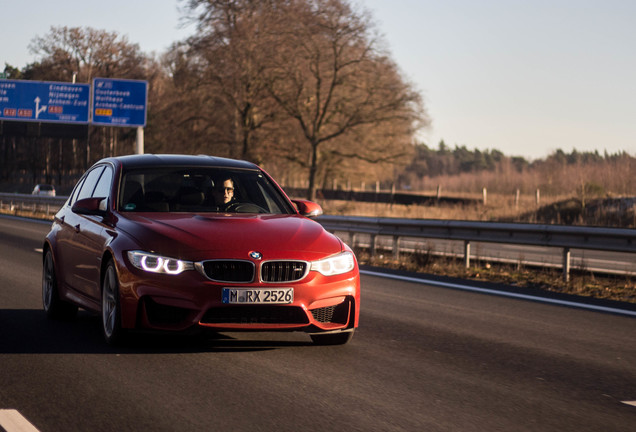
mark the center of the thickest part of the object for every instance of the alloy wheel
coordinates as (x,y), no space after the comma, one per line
(110,303)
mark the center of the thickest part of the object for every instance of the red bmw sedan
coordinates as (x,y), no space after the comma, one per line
(175,243)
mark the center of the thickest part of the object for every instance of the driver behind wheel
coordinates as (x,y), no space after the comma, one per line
(223,193)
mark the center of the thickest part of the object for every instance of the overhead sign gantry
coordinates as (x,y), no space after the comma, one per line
(39,101)
(114,102)
(118,102)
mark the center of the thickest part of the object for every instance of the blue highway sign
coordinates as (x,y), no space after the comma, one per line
(39,101)
(118,102)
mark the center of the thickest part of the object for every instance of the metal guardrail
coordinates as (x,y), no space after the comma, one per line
(556,236)
(31,203)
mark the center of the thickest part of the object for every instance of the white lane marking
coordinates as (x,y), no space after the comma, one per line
(632,403)
(38,250)
(12,421)
(502,293)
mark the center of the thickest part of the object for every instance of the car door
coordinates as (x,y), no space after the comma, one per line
(85,236)
(64,222)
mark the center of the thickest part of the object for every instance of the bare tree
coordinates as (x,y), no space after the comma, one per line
(344,94)
(184,116)
(307,83)
(232,43)
(87,52)
(80,54)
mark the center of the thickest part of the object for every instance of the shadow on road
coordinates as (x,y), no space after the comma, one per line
(28,331)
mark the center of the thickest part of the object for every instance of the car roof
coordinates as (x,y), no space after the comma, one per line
(167,160)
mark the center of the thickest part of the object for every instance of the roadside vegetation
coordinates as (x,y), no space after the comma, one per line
(573,189)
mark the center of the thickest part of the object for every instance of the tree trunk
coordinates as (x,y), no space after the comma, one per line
(313,168)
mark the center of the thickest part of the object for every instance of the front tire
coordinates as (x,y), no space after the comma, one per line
(333,338)
(111,306)
(54,307)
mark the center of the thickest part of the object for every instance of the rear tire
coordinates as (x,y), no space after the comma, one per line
(54,307)
(333,338)
(111,306)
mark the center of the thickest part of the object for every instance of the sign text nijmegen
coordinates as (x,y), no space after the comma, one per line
(44,101)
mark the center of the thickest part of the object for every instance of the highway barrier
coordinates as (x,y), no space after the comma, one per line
(37,204)
(397,235)
(565,238)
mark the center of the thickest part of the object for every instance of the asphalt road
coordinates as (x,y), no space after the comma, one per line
(424,359)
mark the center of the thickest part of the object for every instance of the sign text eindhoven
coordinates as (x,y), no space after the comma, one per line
(44,101)
(114,103)
(119,102)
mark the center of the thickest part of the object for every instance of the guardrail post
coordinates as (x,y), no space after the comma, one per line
(396,248)
(467,253)
(372,245)
(566,264)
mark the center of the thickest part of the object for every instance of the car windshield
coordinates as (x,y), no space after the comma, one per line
(200,190)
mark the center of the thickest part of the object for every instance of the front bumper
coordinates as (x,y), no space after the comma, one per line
(179,303)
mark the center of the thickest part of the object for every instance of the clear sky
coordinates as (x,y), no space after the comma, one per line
(524,77)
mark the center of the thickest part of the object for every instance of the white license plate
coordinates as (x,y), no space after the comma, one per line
(258,295)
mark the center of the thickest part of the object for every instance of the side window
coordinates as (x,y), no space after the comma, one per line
(73,197)
(102,190)
(89,184)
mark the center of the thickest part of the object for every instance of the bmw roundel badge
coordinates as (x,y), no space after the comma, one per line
(256,255)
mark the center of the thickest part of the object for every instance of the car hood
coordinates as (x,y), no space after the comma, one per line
(197,236)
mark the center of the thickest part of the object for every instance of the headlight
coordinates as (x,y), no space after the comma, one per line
(158,264)
(335,265)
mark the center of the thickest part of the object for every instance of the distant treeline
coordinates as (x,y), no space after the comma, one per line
(447,161)
(464,170)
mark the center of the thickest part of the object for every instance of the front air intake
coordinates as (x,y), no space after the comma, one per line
(255,314)
(283,271)
(231,271)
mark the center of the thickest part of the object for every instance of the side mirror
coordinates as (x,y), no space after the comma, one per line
(90,206)
(308,208)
